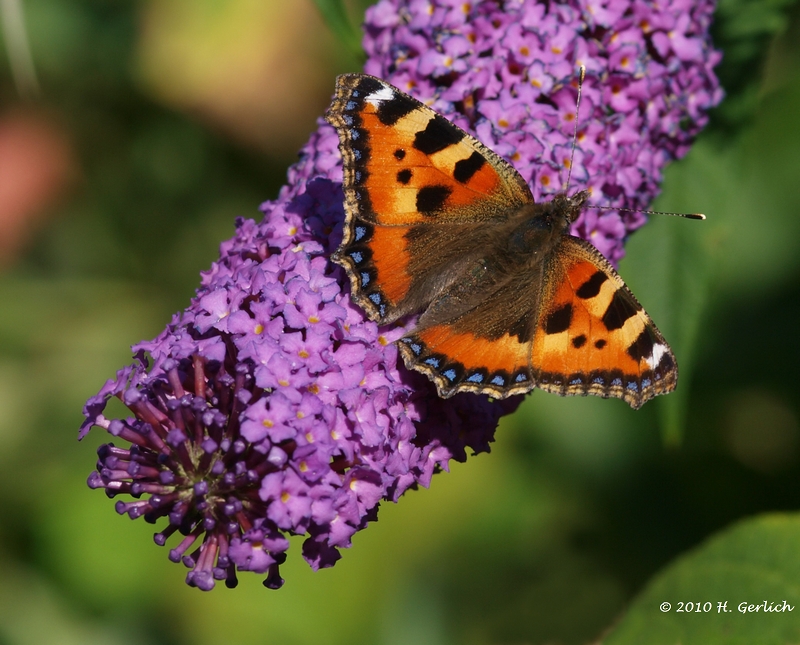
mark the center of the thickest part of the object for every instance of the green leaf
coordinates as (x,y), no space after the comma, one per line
(681,271)
(335,15)
(670,267)
(755,561)
(743,29)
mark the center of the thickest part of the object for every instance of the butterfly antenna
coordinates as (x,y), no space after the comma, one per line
(582,75)
(637,210)
(575,131)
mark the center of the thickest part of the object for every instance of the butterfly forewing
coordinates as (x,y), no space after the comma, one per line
(407,166)
(593,336)
(576,330)
(416,164)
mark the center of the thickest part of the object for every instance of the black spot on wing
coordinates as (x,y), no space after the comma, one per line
(466,168)
(621,307)
(591,287)
(642,347)
(366,86)
(399,154)
(430,199)
(665,365)
(558,320)
(391,111)
(404,176)
(437,135)
(600,343)
(579,341)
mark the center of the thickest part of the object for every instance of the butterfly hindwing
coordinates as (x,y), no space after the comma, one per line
(464,362)
(586,334)
(593,336)
(407,166)
(486,349)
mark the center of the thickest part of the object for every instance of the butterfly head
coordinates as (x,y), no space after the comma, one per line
(570,207)
(553,218)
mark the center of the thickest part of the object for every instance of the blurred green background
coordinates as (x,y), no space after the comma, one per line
(149,126)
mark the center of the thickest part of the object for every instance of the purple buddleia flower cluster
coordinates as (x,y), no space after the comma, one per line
(271,406)
(507,72)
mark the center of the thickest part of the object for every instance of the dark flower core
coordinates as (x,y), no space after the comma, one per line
(188,456)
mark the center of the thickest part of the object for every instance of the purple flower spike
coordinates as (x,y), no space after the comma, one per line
(271,406)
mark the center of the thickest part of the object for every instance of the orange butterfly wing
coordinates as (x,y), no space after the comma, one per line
(486,350)
(593,337)
(404,166)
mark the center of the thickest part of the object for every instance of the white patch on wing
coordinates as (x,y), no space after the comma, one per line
(381,95)
(655,358)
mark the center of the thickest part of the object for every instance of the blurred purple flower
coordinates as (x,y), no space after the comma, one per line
(271,406)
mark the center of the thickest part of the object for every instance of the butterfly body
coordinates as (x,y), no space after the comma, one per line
(507,300)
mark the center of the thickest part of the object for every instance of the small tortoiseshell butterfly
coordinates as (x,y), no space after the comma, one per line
(439,225)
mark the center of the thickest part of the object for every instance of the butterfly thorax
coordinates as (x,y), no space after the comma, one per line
(538,228)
